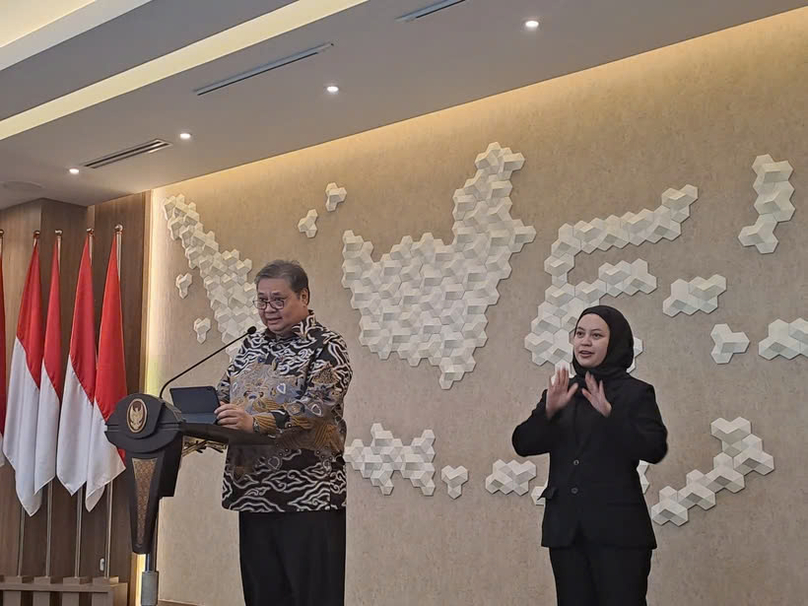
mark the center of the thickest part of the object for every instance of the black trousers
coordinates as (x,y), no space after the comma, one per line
(293,559)
(594,575)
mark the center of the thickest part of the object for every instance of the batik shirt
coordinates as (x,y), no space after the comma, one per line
(294,388)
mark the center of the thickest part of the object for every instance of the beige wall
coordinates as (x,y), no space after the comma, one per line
(608,140)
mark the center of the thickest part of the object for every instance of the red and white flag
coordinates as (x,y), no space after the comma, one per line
(50,391)
(2,357)
(19,444)
(77,403)
(104,463)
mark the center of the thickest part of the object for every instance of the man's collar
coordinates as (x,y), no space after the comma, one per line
(298,331)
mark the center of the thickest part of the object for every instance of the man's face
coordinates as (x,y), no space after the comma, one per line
(284,308)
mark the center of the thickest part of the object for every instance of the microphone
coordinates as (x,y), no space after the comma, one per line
(250,331)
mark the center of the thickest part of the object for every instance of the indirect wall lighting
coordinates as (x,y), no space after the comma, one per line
(185,136)
(74,171)
(532,24)
(332,88)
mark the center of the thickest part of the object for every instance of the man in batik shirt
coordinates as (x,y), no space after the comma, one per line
(288,383)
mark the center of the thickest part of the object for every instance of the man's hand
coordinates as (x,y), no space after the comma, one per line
(234,417)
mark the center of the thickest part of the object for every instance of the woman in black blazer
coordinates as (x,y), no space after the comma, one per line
(596,428)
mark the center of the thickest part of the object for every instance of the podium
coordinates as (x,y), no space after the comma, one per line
(151,432)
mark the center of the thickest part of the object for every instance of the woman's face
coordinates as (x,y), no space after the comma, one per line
(590,341)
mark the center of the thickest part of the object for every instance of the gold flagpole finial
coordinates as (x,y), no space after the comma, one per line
(58,232)
(36,234)
(90,231)
(118,228)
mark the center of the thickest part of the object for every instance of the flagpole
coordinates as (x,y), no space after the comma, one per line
(20,553)
(21,538)
(22,541)
(77,559)
(77,578)
(80,500)
(108,548)
(49,528)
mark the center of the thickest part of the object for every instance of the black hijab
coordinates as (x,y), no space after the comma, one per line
(620,352)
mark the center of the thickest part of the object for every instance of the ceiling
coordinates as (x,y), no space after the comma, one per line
(122,72)
(30,27)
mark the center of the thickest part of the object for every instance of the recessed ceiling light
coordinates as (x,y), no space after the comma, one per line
(332,88)
(74,171)
(532,24)
(185,136)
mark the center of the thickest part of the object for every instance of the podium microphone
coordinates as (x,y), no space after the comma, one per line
(250,331)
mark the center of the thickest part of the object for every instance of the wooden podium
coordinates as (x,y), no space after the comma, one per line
(151,432)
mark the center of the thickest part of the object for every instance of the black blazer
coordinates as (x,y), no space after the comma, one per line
(593,482)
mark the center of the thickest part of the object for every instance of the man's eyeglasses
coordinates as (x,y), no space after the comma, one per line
(277,303)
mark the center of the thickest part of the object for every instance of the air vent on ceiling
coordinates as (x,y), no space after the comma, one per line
(144,148)
(21,187)
(262,69)
(428,10)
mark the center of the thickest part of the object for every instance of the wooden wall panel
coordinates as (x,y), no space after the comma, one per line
(19,223)
(129,212)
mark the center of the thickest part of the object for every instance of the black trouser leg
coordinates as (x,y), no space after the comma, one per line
(593,575)
(313,546)
(293,559)
(620,574)
(573,576)
(262,575)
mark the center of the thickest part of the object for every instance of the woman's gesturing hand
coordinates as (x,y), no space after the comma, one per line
(597,398)
(559,393)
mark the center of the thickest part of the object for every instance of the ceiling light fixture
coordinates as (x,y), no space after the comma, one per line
(532,24)
(185,136)
(74,171)
(332,88)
